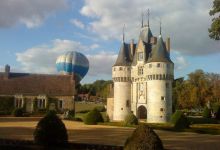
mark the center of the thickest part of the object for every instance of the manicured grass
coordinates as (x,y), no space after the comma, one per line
(205,128)
(85,106)
(197,128)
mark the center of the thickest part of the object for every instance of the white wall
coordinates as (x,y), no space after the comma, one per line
(122,93)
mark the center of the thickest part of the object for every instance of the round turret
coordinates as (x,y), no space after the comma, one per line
(159,84)
(121,75)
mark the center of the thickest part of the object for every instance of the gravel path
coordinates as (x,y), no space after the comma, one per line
(98,134)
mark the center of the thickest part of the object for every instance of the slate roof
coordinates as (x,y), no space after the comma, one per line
(146,34)
(159,52)
(36,84)
(124,56)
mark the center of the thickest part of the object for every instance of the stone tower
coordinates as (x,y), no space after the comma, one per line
(121,74)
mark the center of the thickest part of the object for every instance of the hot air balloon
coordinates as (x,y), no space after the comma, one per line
(73,63)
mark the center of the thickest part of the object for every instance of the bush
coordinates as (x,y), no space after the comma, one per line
(217,113)
(106,118)
(143,138)
(179,120)
(100,108)
(130,119)
(51,131)
(69,115)
(207,113)
(6,104)
(18,112)
(93,117)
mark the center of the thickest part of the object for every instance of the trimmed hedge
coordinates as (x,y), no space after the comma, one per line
(143,138)
(93,117)
(51,131)
(6,105)
(179,120)
(130,119)
(18,112)
(207,113)
(100,108)
(217,113)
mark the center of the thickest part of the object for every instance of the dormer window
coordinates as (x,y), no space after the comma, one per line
(140,56)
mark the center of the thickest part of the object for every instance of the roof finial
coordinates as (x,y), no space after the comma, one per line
(148,17)
(123,38)
(142,19)
(160,26)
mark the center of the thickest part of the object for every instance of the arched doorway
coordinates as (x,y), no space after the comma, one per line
(142,112)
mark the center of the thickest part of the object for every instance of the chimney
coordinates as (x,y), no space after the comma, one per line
(7,71)
(168,45)
(132,47)
(153,40)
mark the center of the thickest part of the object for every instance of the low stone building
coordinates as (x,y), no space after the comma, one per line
(38,91)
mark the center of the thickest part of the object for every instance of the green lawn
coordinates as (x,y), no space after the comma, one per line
(197,128)
(85,106)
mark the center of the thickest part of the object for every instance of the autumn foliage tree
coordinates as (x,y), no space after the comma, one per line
(199,89)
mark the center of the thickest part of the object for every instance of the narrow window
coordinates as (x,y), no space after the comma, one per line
(154,77)
(162,98)
(158,65)
(127,103)
(120,68)
(60,104)
(140,56)
(160,76)
(167,85)
(161,109)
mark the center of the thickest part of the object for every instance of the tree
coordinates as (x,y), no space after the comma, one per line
(214,30)
(51,131)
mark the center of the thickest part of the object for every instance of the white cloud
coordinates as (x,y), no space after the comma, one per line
(77,23)
(180,63)
(31,13)
(41,59)
(94,46)
(185,21)
(101,63)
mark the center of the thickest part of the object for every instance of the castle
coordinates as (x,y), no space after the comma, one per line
(142,77)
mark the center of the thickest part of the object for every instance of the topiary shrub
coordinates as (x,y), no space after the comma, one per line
(51,131)
(143,138)
(100,108)
(130,119)
(206,113)
(93,117)
(18,112)
(179,120)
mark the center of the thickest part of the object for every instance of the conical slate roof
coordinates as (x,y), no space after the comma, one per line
(124,57)
(159,52)
(146,34)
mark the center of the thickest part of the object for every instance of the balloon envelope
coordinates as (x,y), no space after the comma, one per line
(73,63)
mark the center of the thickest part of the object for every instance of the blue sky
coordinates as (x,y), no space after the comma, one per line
(34,33)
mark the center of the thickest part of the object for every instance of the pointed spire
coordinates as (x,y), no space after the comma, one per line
(160,26)
(123,38)
(148,17)
(142,19)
